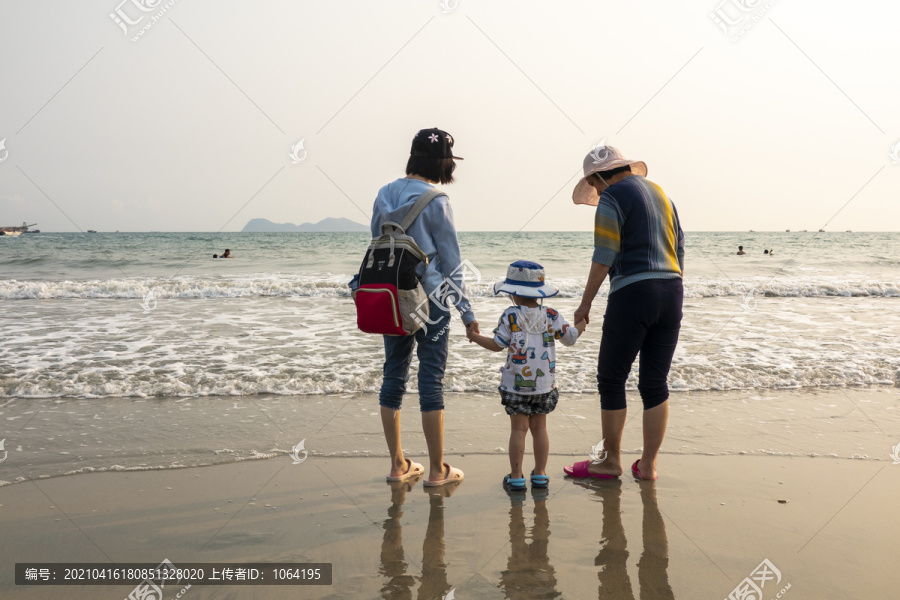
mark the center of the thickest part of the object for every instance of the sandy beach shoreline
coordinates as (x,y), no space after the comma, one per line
(53,437)
(715,514)
(697,532)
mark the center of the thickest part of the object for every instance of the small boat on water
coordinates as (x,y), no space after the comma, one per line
(13,231)
(92,231)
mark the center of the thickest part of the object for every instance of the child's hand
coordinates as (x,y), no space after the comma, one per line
(581,326)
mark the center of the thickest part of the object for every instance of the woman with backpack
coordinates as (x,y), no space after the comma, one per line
(431,162)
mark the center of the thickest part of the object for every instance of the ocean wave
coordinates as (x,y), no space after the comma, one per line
(129,379)
(335,286)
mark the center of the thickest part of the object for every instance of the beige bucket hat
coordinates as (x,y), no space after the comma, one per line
(602,158)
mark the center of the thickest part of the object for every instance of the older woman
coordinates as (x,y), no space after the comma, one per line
(431,161)
(639,243)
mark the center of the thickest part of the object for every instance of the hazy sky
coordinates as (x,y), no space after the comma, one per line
(190,127)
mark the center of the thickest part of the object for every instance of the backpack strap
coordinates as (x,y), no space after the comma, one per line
(417,208)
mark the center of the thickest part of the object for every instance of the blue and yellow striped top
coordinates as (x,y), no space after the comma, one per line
(637,233)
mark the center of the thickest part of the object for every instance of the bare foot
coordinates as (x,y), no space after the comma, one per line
(607,467)
(445,473)
(647,470)
(401,469)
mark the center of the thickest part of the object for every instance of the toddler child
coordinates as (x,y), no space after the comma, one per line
(528,331)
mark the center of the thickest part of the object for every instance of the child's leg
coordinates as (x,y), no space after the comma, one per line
(517,445)
(541,441)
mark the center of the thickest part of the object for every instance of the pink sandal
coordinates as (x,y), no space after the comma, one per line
(580,470)
(637,472)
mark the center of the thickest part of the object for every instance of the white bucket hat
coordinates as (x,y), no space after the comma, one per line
(602,158)
(525,278)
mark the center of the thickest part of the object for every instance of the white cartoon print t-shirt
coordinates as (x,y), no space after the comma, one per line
(530,336)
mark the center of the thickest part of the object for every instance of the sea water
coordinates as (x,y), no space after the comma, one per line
(140,351)
(153,314)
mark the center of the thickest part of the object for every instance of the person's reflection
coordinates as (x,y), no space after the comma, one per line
(434,569)
(529,573)
(653,576)
(398,584)
(653,568)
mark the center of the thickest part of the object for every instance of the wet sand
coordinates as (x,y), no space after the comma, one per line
(55,437)
(696,533)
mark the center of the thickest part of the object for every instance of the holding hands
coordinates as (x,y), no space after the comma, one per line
(580,325)
(582,313)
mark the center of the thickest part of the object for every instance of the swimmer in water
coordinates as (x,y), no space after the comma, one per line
(740,251)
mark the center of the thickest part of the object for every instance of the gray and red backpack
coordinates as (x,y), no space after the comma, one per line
(390,299)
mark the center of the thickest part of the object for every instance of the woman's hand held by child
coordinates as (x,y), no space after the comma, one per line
(582,313)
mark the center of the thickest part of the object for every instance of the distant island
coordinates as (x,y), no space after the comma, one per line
(325,225)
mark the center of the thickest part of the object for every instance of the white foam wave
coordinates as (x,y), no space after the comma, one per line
(335,286)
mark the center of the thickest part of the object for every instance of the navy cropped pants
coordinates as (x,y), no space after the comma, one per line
(642,317)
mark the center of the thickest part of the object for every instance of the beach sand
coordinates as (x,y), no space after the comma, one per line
(710,520)
(696,533)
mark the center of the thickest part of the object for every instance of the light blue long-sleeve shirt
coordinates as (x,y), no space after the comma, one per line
(434,232)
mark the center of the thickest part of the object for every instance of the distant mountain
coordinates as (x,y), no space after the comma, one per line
(325,225)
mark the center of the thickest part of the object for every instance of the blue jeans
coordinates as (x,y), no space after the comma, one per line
(433,344)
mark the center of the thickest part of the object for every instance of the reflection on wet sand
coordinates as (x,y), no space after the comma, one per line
(433,581)
(528,573)
(653,575)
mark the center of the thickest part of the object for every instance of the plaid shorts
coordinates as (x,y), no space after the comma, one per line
(529,404)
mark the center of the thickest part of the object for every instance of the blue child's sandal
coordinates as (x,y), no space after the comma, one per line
(511,484)
(539,481)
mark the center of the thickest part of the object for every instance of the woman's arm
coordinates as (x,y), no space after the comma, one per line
(595,279)
(440,223)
